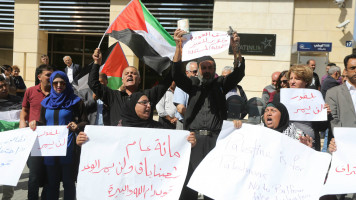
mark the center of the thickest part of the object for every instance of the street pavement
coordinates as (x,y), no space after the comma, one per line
(21,188)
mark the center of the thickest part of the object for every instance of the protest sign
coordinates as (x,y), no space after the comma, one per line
(15,146)
(204,43)
(342,173)
(256,162)
(132,163)
(304,104)
(51,141)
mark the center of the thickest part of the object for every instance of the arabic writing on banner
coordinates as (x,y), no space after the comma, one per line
(204,43)
(51,141)
(15,146)
(256,162)
(304,104)
(342,173)
(132,163)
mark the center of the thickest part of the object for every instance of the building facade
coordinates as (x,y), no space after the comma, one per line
(30,28)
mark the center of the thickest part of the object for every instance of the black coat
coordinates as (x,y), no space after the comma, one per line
(328,83)
(218,87)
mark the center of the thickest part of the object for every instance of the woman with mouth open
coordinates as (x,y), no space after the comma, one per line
(276,117)
(136,113)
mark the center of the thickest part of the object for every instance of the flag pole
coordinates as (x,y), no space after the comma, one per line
(102,38)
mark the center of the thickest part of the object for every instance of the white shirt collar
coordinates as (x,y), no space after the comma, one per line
(71,66)
(349,86)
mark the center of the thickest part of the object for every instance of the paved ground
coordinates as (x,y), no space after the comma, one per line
(21,188)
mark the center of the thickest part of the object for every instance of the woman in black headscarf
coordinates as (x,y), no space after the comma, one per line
(136,113)
(276,117)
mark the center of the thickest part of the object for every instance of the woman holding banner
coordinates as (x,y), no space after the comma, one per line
(301,76)
(136,113)
(62,107)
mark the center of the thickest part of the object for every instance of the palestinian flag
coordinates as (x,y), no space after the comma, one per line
(9,120)
(114,62)
(136,27)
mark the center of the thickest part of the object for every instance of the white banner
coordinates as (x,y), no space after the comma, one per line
(15,146)
(51,141)
(304,104)
(204,43)
(255,162)
(342,173)
(132,163)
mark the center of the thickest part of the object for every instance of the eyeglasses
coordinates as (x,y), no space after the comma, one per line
(194,71)
(144,102)
(284,81)
(60,83)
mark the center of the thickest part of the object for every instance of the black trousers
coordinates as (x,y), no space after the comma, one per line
(36,178)
(204,145)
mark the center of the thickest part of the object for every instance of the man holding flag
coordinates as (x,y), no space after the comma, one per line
(131,79)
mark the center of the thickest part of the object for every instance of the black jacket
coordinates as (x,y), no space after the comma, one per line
(115,99)
(328,83)
(218,87)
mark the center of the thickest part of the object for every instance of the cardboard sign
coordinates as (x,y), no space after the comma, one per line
(15,146)
(342,173)
(204,43)
(304,104)
(255,162)
(132,163)
(51,141)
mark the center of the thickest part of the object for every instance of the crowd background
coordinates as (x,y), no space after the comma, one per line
(127,106)
(307,23)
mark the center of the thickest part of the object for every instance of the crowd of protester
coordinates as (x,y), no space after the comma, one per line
(196,101)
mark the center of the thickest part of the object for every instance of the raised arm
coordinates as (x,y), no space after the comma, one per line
(237,75)
(101,91)
(181,80)
(156,93)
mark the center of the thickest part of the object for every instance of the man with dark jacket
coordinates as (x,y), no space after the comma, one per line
(331,80)
(72,70)
(206,108)
(115,99)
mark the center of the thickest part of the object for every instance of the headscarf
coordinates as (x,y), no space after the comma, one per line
(284,121)
(129,116)
(65,99)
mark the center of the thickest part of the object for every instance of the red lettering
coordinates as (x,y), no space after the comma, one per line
(127,150)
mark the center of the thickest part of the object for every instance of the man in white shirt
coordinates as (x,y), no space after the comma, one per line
(166,109)
(342,99)
(72,70)
(180,98)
